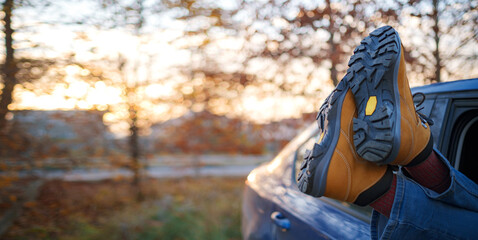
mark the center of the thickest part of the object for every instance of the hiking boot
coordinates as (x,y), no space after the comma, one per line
(332,168)
(388,130)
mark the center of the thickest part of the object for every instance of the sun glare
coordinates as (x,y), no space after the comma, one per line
(94,44)
(159,90)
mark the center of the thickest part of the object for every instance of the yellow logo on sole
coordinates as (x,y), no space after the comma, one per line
(371,105)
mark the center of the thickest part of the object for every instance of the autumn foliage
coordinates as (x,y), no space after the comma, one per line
(204,132)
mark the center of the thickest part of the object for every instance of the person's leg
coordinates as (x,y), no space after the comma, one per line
(388,129)
(415,215)
(349,169)
(384,203)
(432,173)
(461,192)
(413,210)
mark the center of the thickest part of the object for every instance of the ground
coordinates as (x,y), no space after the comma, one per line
(190,208)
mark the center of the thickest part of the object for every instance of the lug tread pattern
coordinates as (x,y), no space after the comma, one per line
(313,157)
(368,67)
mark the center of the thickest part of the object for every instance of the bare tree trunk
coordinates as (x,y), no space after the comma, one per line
(333,48)
(333,70)
(436,53)
(134,138)
(10,68)
(134,153)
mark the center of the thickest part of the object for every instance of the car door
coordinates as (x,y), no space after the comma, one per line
(264,189)
(286,222)
(316,218)
(256,211)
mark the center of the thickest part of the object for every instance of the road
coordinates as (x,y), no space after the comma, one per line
(154,172)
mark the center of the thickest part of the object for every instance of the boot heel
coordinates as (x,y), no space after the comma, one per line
(373,137)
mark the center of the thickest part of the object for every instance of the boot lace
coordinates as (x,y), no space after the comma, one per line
(419,107)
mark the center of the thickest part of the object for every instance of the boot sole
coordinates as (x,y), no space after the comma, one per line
(313,177)
(372,77)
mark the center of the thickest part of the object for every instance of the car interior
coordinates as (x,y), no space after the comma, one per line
(464,142)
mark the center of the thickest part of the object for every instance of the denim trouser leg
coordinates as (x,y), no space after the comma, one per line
(462,192)
(420,213)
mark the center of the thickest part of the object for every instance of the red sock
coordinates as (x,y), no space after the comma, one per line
(384,204)
(431,173)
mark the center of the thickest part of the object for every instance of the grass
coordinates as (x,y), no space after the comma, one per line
(193,208)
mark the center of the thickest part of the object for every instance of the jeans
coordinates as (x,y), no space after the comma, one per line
(420,213)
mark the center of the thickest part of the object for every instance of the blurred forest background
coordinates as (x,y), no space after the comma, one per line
(126,119)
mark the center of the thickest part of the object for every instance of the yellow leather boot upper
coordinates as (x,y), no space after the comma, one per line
(349,175)
(414,134)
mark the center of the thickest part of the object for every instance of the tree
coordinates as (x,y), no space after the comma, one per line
(215,72)
(280,47)
(134,74)
(452,28)
(29,67)
(322,33)
(9,68)
(21,69)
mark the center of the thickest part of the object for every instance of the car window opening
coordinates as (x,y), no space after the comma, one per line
(466,155)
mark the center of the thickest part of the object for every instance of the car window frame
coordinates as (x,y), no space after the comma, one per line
(455,106)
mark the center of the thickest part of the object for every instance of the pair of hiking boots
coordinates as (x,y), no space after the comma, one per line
(366,125)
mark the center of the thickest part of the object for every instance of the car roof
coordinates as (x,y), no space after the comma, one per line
(453,86)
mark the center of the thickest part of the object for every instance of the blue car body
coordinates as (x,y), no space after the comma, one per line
(274,208)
